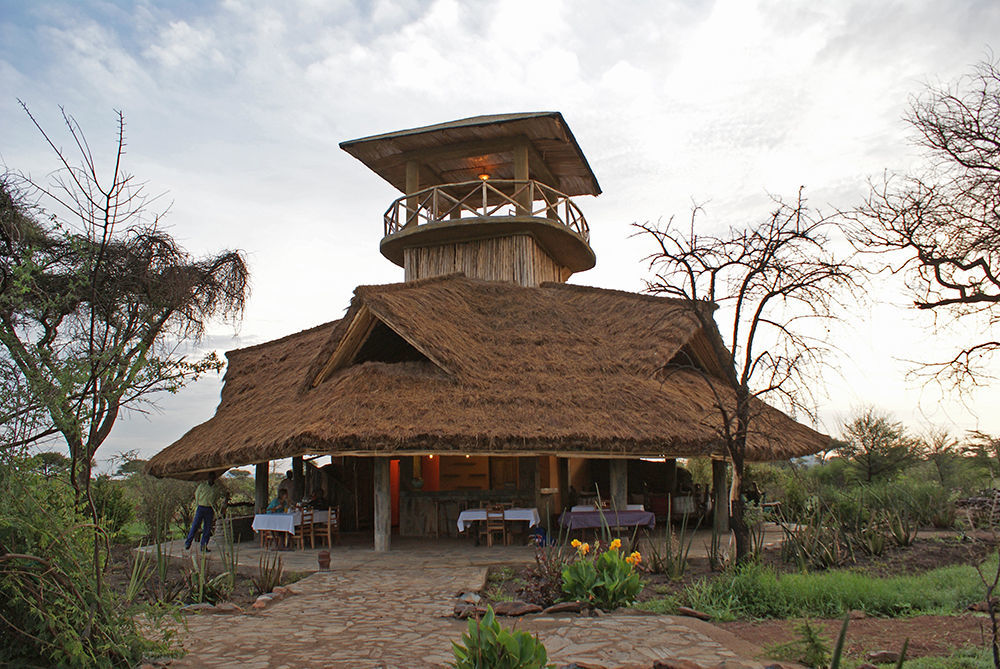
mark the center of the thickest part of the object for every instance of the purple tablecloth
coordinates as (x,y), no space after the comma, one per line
(579,520)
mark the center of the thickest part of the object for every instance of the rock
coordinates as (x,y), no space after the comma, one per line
(284,590)
(228,607)
(581,665)
(464,611)
(857,614)
(262,602)
(565,607)
(198,608)
(676,664)
(774,666)
(691,613)
(882,657)
(735,664)
(596,612)
(470,597)
(982,606)
(515,608)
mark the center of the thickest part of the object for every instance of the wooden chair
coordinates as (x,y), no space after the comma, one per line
(494,524)
(306,527)
(331,528)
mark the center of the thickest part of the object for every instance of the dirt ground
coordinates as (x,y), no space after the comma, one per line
(928,635)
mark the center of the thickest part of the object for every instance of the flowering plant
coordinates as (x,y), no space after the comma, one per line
(607,580)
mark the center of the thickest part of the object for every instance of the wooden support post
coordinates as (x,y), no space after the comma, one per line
(298,480)
(563,472)
(412,186)
(383,517)
(260,488)
(521,176)
(618,474)
(671,485)
(720,498)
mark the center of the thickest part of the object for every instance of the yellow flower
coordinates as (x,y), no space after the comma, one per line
(575,543)
(634,559)
(584,549)
(616,544)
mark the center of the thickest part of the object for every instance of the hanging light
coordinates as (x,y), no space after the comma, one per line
(484,176)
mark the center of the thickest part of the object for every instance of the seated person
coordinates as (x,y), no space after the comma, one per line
(280,503)
(316,500)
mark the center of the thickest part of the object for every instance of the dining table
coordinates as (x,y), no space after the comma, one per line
(469,516)
(285,522)
(589,517)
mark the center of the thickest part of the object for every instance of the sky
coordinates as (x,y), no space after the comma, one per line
(235,110)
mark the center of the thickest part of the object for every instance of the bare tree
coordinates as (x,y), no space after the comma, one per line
(769,281)
(94,297)
(940,227)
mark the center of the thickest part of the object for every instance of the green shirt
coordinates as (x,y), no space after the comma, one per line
(205,494)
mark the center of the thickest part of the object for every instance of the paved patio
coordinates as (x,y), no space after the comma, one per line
(394,610)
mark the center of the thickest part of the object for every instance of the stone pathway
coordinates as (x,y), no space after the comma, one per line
(394,610)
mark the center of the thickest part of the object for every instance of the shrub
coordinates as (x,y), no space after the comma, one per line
(543,581)
(607,581)
(53,610)
(486,645)
(114,507)
(810,648)
(754,591)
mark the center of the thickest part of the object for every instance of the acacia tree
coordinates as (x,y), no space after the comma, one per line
(876,445)
(941,226)
(94,298)
(769,280)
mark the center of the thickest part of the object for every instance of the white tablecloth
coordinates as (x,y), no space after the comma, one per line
(285,522)
(470,516)
(591,507)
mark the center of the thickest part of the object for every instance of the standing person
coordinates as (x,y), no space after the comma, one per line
(205,496)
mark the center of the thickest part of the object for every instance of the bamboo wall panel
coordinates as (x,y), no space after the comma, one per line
(516,258)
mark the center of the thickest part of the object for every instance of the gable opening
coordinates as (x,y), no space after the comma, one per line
(383,345)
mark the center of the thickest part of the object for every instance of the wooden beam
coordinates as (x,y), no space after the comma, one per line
(563,472)
(521,173)
(357,332)
(618,473)
(412,186)
(298,480)
(383,517)
(479,147)
(260,487)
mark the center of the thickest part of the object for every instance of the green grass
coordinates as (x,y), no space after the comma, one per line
(965,658)
(758,592)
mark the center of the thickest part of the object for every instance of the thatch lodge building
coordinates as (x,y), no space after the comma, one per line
(483,375)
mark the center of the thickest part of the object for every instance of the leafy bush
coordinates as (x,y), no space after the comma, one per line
(114,507)
(160,502)
(486,645)
(53,610)
(606,581)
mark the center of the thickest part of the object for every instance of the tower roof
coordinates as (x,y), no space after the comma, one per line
(461,150)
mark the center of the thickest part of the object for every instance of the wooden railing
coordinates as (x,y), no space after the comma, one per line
(478,199)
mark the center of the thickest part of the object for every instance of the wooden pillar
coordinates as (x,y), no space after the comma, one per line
(618,474)
(298,480)
(383,517)
(720,498)
(260,496)
(562,465)
(671,485)
(521,175)
(412,186)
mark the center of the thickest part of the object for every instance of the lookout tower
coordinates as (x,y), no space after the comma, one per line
(488,196)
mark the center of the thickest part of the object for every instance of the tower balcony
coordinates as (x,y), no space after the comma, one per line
(489,208)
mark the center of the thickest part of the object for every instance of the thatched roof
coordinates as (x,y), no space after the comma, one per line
(453,364)
(460,150)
